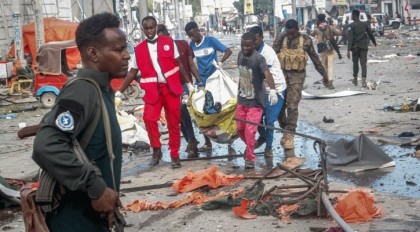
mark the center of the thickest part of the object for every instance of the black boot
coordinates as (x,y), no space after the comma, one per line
(330,85)
(176,163)
(192,149)
(156,156)
(354,81)
(364,82)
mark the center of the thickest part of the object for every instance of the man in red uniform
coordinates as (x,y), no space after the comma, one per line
(186,58)
(157,58)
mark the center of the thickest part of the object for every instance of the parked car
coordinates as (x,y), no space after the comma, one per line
(375,26)
(387,21)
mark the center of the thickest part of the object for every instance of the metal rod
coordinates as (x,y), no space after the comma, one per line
(293,186)
(334,214)
(296,174)
(282,130)
(147,187)
(264,177)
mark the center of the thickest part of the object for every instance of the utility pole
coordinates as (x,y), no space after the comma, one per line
(17,28)
(274,19)
(177,28)
(184,15)
(93,7)
(294,9)
(3,51)
(143,11)
(39,24)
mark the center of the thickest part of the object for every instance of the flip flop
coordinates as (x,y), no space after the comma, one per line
(205,148)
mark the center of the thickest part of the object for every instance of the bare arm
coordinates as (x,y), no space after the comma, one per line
(182,70)
(335,31)
(128,79)
(269,79)
(228,52)
(193,69)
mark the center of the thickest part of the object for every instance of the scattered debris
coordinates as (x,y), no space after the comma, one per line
(391,56)
(406,134)
(345,93)
(410,183)
(328,120)
(377,61)
(7,116)
(373,85)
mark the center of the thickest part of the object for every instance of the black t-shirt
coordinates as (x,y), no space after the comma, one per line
(251,80)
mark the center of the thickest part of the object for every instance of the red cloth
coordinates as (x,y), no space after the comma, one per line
(210,177)
(172,105)
(184,51)
(168,64)
(247,131)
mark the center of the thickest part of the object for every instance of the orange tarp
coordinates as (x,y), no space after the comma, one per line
(207,177)
(358,206)
(54,30)
(242,210)
(195,198)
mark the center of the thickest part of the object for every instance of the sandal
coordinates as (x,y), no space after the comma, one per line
(205,148)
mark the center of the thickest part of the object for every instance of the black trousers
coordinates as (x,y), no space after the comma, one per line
(359,54)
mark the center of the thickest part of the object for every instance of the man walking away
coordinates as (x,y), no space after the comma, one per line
(291,48)
(359,34)
(324,33)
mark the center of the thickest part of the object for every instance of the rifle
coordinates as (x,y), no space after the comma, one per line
(336,48)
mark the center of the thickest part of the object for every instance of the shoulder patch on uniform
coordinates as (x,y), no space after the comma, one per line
(65,121)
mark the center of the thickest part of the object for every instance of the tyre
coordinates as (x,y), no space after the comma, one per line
(396,25)
(48,100)
(132,92)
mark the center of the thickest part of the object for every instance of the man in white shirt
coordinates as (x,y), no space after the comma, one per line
(271,112)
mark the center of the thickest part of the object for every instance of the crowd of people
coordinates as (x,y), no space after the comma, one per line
(269,89)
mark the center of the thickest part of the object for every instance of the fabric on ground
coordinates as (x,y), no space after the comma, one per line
(360,154)
(345,93)
(207,177)
(242,210)
(195,198)
(358,206)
